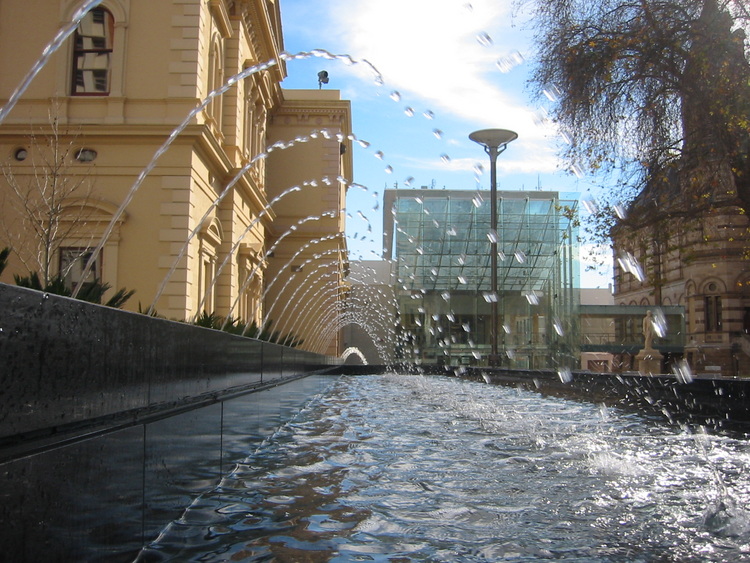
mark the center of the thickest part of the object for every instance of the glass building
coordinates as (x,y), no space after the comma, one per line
(439,243)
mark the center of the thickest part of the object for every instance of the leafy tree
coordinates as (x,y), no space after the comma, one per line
(656,92)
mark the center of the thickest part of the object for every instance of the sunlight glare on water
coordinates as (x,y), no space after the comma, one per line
(412,468)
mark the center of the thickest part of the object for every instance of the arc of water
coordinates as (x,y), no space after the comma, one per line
(231,81)
(354,351)
(284,267)
(322,295)
(250,277)
(320,301)
(213,206)
(160,151)
(326,180)
(230,254)
(308,287)
(365,315)
(315,258)
(62,34)
(326,321)
(311,183)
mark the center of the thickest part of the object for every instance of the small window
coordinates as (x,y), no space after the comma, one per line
(72,263)
(92,54)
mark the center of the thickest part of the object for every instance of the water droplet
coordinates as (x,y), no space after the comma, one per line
(438,133)
(565,375)
(466,327)
(492,236)
(484,39)
(445,158)
(590,205)
(506,329)
(478,169)
(620,211)
(388,169)
(409,112)
(558,327)
(452,318)
(510,353)
(532,297)
(461,259)
(396,96)
(520,256)
(552,93)
(541,117)
(682,371)
(451,232)
(501,255)
(629,263)
(445,295)
(379,155)
(408,181)
(428,114)
(462,280)
(659,320)
(363,144)
(490,296)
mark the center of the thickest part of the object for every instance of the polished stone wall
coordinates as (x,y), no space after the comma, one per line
(111,423)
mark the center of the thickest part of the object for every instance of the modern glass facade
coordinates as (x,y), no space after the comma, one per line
(439,242)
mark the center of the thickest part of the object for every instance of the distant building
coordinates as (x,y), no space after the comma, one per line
(439,245)
(115,91)
(686,241)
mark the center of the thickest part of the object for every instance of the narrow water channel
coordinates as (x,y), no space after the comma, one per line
(411,468)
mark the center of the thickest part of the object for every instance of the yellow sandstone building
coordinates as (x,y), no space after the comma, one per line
(198,234)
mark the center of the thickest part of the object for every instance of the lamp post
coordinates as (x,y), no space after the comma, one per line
(494,142)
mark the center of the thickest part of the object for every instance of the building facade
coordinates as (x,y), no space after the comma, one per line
(686,238)
(167,178)
(439,244)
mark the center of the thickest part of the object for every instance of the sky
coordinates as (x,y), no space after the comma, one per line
(448,67)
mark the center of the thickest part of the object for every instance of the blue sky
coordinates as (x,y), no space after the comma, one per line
(449,67)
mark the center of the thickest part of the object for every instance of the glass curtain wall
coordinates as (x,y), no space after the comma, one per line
(440,245)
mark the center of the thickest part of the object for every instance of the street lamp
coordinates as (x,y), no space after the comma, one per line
(494,142)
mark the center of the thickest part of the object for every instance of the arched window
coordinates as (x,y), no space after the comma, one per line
(92,54)
(712,308)
(216,80)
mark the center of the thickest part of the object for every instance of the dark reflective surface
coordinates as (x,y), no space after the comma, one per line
(100,499)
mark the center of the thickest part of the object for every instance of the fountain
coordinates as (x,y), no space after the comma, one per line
(194,444)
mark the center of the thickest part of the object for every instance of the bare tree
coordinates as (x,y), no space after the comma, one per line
(656,92)
(45,199)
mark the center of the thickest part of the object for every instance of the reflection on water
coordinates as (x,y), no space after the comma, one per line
(407,468)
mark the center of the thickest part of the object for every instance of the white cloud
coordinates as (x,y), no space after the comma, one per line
(430,50)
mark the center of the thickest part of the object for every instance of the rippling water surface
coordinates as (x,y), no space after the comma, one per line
(411,468)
